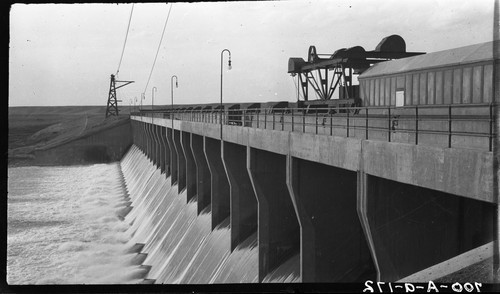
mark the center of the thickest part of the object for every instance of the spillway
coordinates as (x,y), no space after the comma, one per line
(177,244)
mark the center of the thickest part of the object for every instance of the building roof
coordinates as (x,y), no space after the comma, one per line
(452,57)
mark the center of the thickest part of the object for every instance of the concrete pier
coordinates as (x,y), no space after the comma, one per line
(181,161)
(331,235)
(243,198)
(279,230)
(165,152)
(219,182)
(203,179)
(173,156)
(190,165)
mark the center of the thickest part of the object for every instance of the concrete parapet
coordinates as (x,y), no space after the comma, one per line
(334,151)
(463,172)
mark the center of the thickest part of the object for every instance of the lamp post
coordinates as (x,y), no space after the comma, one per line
(172,96)
(153,91)
(135,101)
(221,67)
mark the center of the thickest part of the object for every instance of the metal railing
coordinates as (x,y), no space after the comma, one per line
(443,125)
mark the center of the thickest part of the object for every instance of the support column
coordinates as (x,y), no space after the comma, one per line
(134,132)
(203,185)
(165,152)
(190,165)
(158,146)
(154,145)
(362,207)
(143,136)
(149,141)
(140,135)
(332,239)
(243,199)
(146,139)
(173,156)
(219,183)
(161,152)
(278,227)
(181,161)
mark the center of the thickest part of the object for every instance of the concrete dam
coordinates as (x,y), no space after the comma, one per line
(394,181)
(391,182)
(310,207)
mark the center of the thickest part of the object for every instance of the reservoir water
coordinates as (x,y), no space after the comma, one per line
(78,224)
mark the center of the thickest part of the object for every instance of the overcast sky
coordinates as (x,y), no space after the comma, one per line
(64,54)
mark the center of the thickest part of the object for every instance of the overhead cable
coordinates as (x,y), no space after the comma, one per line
(158,50)
(126,36)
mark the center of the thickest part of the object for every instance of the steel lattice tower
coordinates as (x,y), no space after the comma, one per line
(112,107)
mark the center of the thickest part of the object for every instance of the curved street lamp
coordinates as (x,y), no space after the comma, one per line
(153,91)
(172,97)
(229,68)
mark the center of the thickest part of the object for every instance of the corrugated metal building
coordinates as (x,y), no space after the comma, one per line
(457,76)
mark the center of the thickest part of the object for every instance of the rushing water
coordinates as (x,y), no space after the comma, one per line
(79,224)
(63,226)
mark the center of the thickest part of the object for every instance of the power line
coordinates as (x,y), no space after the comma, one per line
(126,36)
(158,50)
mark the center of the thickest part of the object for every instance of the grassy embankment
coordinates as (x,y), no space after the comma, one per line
(32,128)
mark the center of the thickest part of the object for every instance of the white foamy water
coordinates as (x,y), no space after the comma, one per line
(66,226)
(63,226)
